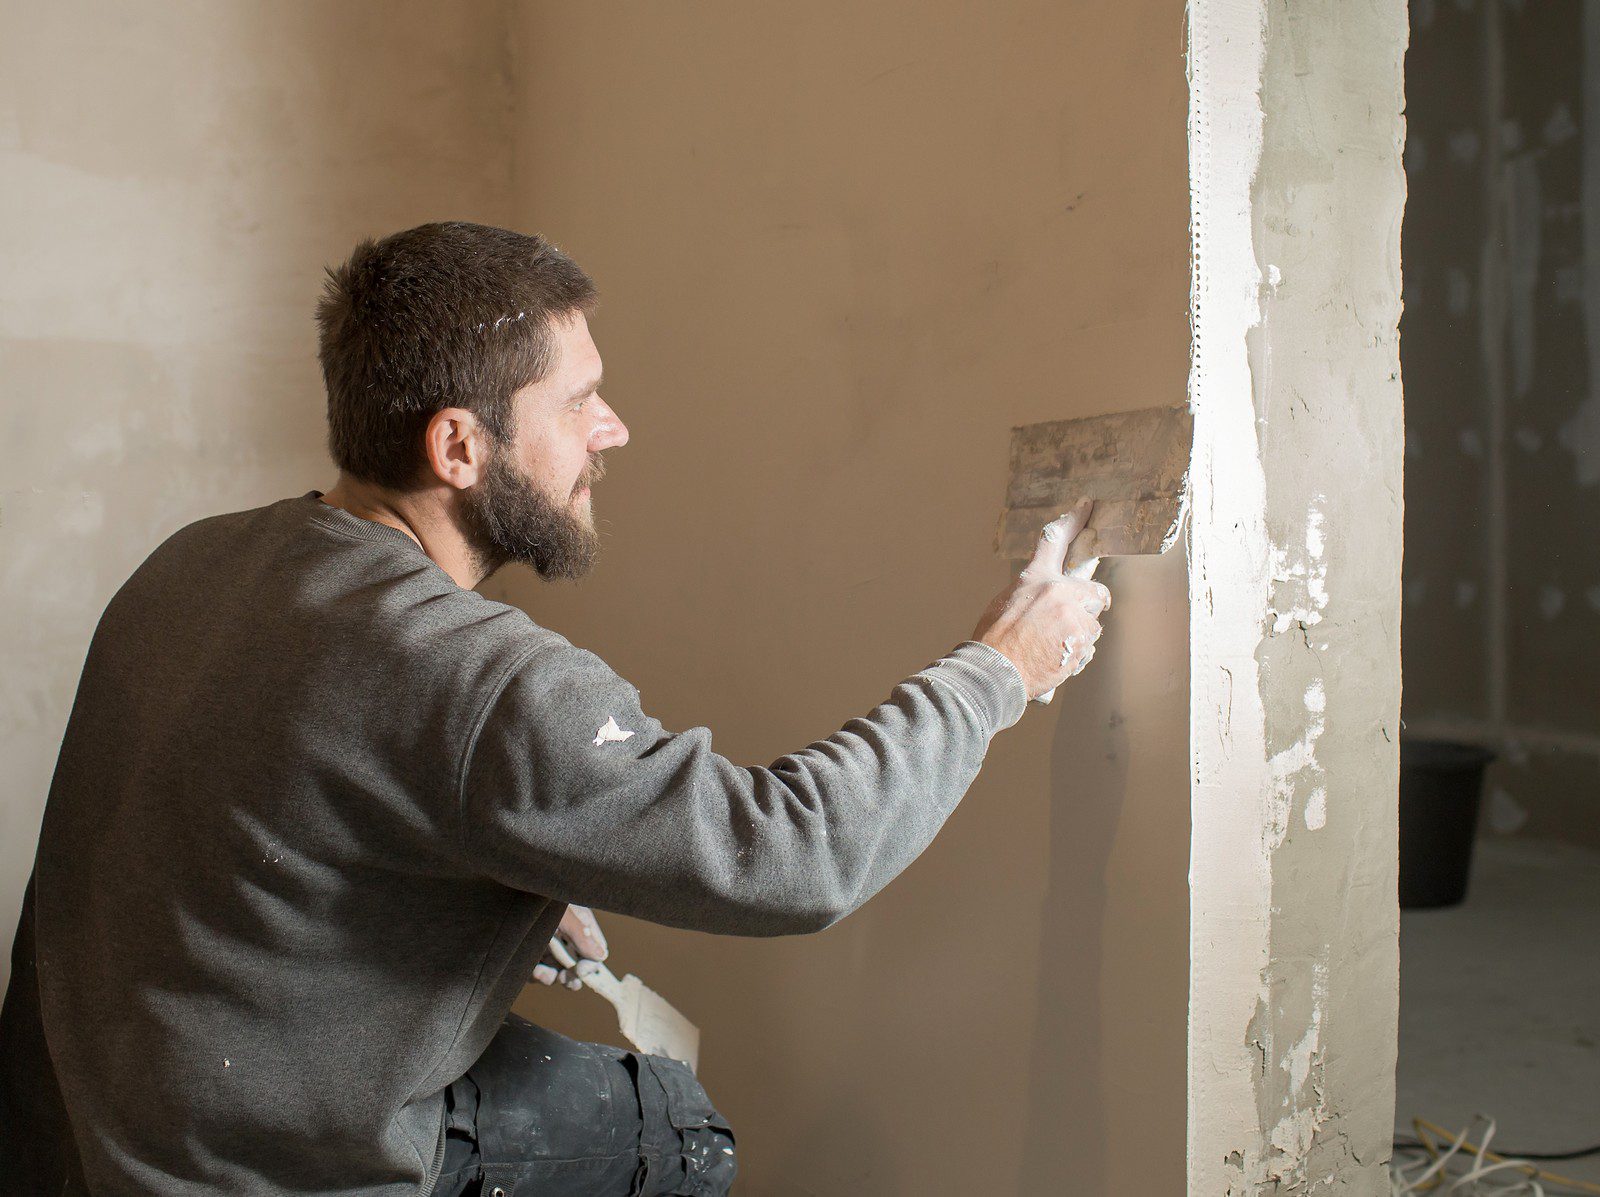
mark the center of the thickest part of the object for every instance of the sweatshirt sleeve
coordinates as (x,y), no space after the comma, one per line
(570,790)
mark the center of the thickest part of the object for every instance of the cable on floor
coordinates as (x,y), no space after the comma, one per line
(1579,1153)
(1487,1173)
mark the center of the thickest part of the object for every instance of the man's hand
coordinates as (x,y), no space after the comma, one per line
(582,939)
(1047,621)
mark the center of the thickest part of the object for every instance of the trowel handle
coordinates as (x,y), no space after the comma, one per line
(1083,572)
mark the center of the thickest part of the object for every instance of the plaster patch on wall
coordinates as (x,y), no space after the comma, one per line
(1294,1132)
(1317,809)
(1300,579)
(1524,226)
(1293,768)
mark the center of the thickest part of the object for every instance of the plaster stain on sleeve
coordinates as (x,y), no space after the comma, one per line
(610,733)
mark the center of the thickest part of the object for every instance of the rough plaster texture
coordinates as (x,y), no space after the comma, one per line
(843,248)
(174,179)
(1295,141)
(1501,344)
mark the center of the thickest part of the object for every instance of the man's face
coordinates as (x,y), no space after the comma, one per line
(531,502)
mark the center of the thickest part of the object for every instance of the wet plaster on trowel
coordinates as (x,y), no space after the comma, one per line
(1295,140)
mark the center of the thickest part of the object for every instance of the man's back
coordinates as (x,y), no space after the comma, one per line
(262,950)
(289,877)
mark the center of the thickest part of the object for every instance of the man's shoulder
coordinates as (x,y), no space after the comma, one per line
(297,565)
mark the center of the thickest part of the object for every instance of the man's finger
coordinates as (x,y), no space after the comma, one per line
(583,932)
(544,974)
(1051,554)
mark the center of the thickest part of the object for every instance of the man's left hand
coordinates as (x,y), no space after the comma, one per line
(583,938)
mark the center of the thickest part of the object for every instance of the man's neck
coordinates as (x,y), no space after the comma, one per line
(423,515)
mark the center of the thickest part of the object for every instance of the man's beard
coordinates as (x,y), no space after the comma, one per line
(509,518)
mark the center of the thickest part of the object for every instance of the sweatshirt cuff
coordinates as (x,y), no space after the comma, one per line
(988,679)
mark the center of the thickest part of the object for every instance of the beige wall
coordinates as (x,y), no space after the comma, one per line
(843,249)
(173,177)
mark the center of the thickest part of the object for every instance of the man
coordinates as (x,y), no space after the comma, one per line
(320,806)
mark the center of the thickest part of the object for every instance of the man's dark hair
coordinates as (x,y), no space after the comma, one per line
(442,315)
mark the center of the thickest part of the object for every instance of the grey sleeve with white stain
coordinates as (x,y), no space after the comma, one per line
(570,790)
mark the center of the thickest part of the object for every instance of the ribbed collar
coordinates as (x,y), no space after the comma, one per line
(342,521)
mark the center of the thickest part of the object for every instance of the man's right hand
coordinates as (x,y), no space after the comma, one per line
(1047,621)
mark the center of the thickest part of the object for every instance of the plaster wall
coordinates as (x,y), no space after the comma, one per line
(844,248)
(173,178)
(1296,134)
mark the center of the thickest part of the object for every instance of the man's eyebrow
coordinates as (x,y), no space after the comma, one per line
(587,388)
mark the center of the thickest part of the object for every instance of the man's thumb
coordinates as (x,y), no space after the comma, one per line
(1051,553)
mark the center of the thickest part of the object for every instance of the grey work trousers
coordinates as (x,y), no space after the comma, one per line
(541,1115)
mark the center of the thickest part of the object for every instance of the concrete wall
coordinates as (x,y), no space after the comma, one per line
(1502,358)
(1296,134)
(843,248)
(173,178)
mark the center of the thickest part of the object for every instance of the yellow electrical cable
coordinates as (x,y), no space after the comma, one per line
(1422,1126)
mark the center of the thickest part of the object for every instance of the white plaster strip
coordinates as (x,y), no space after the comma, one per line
(1229,588)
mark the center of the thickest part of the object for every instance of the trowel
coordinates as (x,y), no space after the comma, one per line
(1134,465)
(647,1020)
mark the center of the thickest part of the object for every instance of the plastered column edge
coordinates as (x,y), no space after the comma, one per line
(1295,134)
(1227,593)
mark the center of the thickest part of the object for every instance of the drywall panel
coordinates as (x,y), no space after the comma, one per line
(1504,161)
(843,248)
(175,176)
(1295,138)
(1451,275)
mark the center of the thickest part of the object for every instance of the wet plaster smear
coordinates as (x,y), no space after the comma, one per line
(1295,143)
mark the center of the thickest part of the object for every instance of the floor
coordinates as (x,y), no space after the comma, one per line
(1500,1002)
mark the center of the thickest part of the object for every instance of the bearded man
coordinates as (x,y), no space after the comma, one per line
(321,807)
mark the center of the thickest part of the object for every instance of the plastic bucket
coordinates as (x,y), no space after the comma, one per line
(1441,788)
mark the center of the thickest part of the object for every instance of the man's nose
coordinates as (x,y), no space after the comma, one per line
(609,431)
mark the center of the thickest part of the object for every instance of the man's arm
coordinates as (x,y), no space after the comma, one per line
(572,791)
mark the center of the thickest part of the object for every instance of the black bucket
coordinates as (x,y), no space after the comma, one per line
(1441,787)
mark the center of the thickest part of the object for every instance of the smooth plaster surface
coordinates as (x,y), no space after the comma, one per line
(1296,132)
(843,249)
(173,178)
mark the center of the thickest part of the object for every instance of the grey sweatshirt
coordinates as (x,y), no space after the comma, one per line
(318,810)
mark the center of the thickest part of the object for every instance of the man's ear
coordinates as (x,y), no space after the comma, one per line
(456,446)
